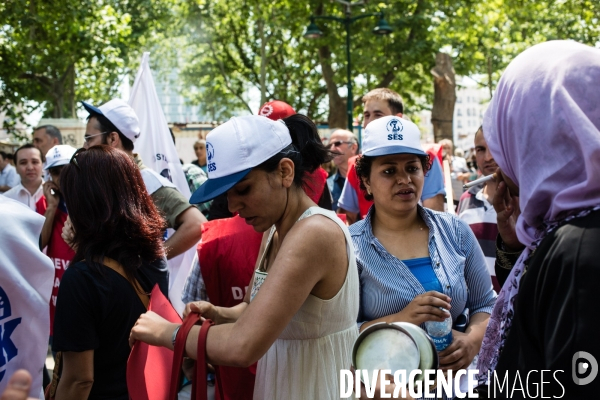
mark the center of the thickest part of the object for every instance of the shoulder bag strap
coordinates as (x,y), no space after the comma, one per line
(118,268)
(179,351)
(261,264)
(50,391)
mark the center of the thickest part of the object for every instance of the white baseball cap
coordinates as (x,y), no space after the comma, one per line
(237,146)
(391,135)
(59,155)
(120,114)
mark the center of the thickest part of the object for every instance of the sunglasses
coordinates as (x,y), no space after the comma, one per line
(74,158)
(337,143)
(87,138)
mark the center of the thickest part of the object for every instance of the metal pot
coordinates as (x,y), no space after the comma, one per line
(413,349)
(429,355)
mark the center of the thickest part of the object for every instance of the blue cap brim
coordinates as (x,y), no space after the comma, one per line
(214,187)
(91,109)
(387,150)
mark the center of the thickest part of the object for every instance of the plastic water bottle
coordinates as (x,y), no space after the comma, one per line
(440,332)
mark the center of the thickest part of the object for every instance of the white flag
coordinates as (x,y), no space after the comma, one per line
(157,150)
(26,279)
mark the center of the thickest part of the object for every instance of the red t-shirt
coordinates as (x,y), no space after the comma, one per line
(352,178)
(315,184)
(227,254)
(58,250)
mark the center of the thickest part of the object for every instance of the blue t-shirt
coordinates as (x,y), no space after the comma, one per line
(422,269)
(387,284)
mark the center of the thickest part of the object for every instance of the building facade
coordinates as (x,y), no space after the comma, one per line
(471,103)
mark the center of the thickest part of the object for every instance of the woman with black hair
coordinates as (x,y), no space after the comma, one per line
(299,315)
(119,257)
(415,264)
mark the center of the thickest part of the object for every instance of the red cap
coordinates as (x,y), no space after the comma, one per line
(276,109)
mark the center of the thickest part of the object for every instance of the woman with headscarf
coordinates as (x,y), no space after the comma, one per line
(543,129)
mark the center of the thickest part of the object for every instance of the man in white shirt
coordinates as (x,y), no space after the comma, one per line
(29,162)
(8,176)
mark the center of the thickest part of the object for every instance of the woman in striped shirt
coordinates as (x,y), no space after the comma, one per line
(412,261)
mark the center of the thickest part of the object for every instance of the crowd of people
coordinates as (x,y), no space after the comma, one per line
(295,258)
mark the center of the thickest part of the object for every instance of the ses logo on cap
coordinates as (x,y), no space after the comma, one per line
(210,155)
(395,126)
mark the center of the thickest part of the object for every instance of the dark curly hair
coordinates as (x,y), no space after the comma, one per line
(307,151)
(112,213)
(363,170)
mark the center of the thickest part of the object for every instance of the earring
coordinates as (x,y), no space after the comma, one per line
(368,191)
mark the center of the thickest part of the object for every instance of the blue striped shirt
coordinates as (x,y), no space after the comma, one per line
(387,285)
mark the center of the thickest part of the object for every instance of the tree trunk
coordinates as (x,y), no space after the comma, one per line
(489,72)
(338,118)
(59,100)
(263,62)
(444,97)
(71,98)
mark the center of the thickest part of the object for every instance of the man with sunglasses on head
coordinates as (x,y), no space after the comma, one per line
(345,145)
(115,124)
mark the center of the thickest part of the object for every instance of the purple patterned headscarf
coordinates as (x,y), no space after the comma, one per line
(543,129)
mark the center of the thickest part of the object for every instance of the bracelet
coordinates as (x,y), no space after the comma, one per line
(175,335)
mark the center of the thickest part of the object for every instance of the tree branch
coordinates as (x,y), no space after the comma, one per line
(43,80)
(226,78)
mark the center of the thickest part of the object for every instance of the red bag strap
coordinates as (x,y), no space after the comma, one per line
(199,389)
(179,351)
(219,383)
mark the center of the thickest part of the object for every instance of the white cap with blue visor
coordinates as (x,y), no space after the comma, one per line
(391,135)
(237,146)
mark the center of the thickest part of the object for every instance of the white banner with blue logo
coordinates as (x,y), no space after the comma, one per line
(26,279)
(157,150)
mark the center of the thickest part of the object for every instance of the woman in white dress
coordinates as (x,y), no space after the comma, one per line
(299,318)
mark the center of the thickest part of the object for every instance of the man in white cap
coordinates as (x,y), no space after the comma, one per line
(379,103)
(29,167)
(116,124)
(52,206)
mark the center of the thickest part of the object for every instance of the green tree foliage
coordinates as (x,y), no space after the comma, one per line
(233,46)
(55,52)
(400,60)
(232,40)
(485,36)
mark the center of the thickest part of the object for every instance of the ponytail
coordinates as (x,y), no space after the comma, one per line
(307,152)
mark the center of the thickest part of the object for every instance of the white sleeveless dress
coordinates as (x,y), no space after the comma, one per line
(305,361)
